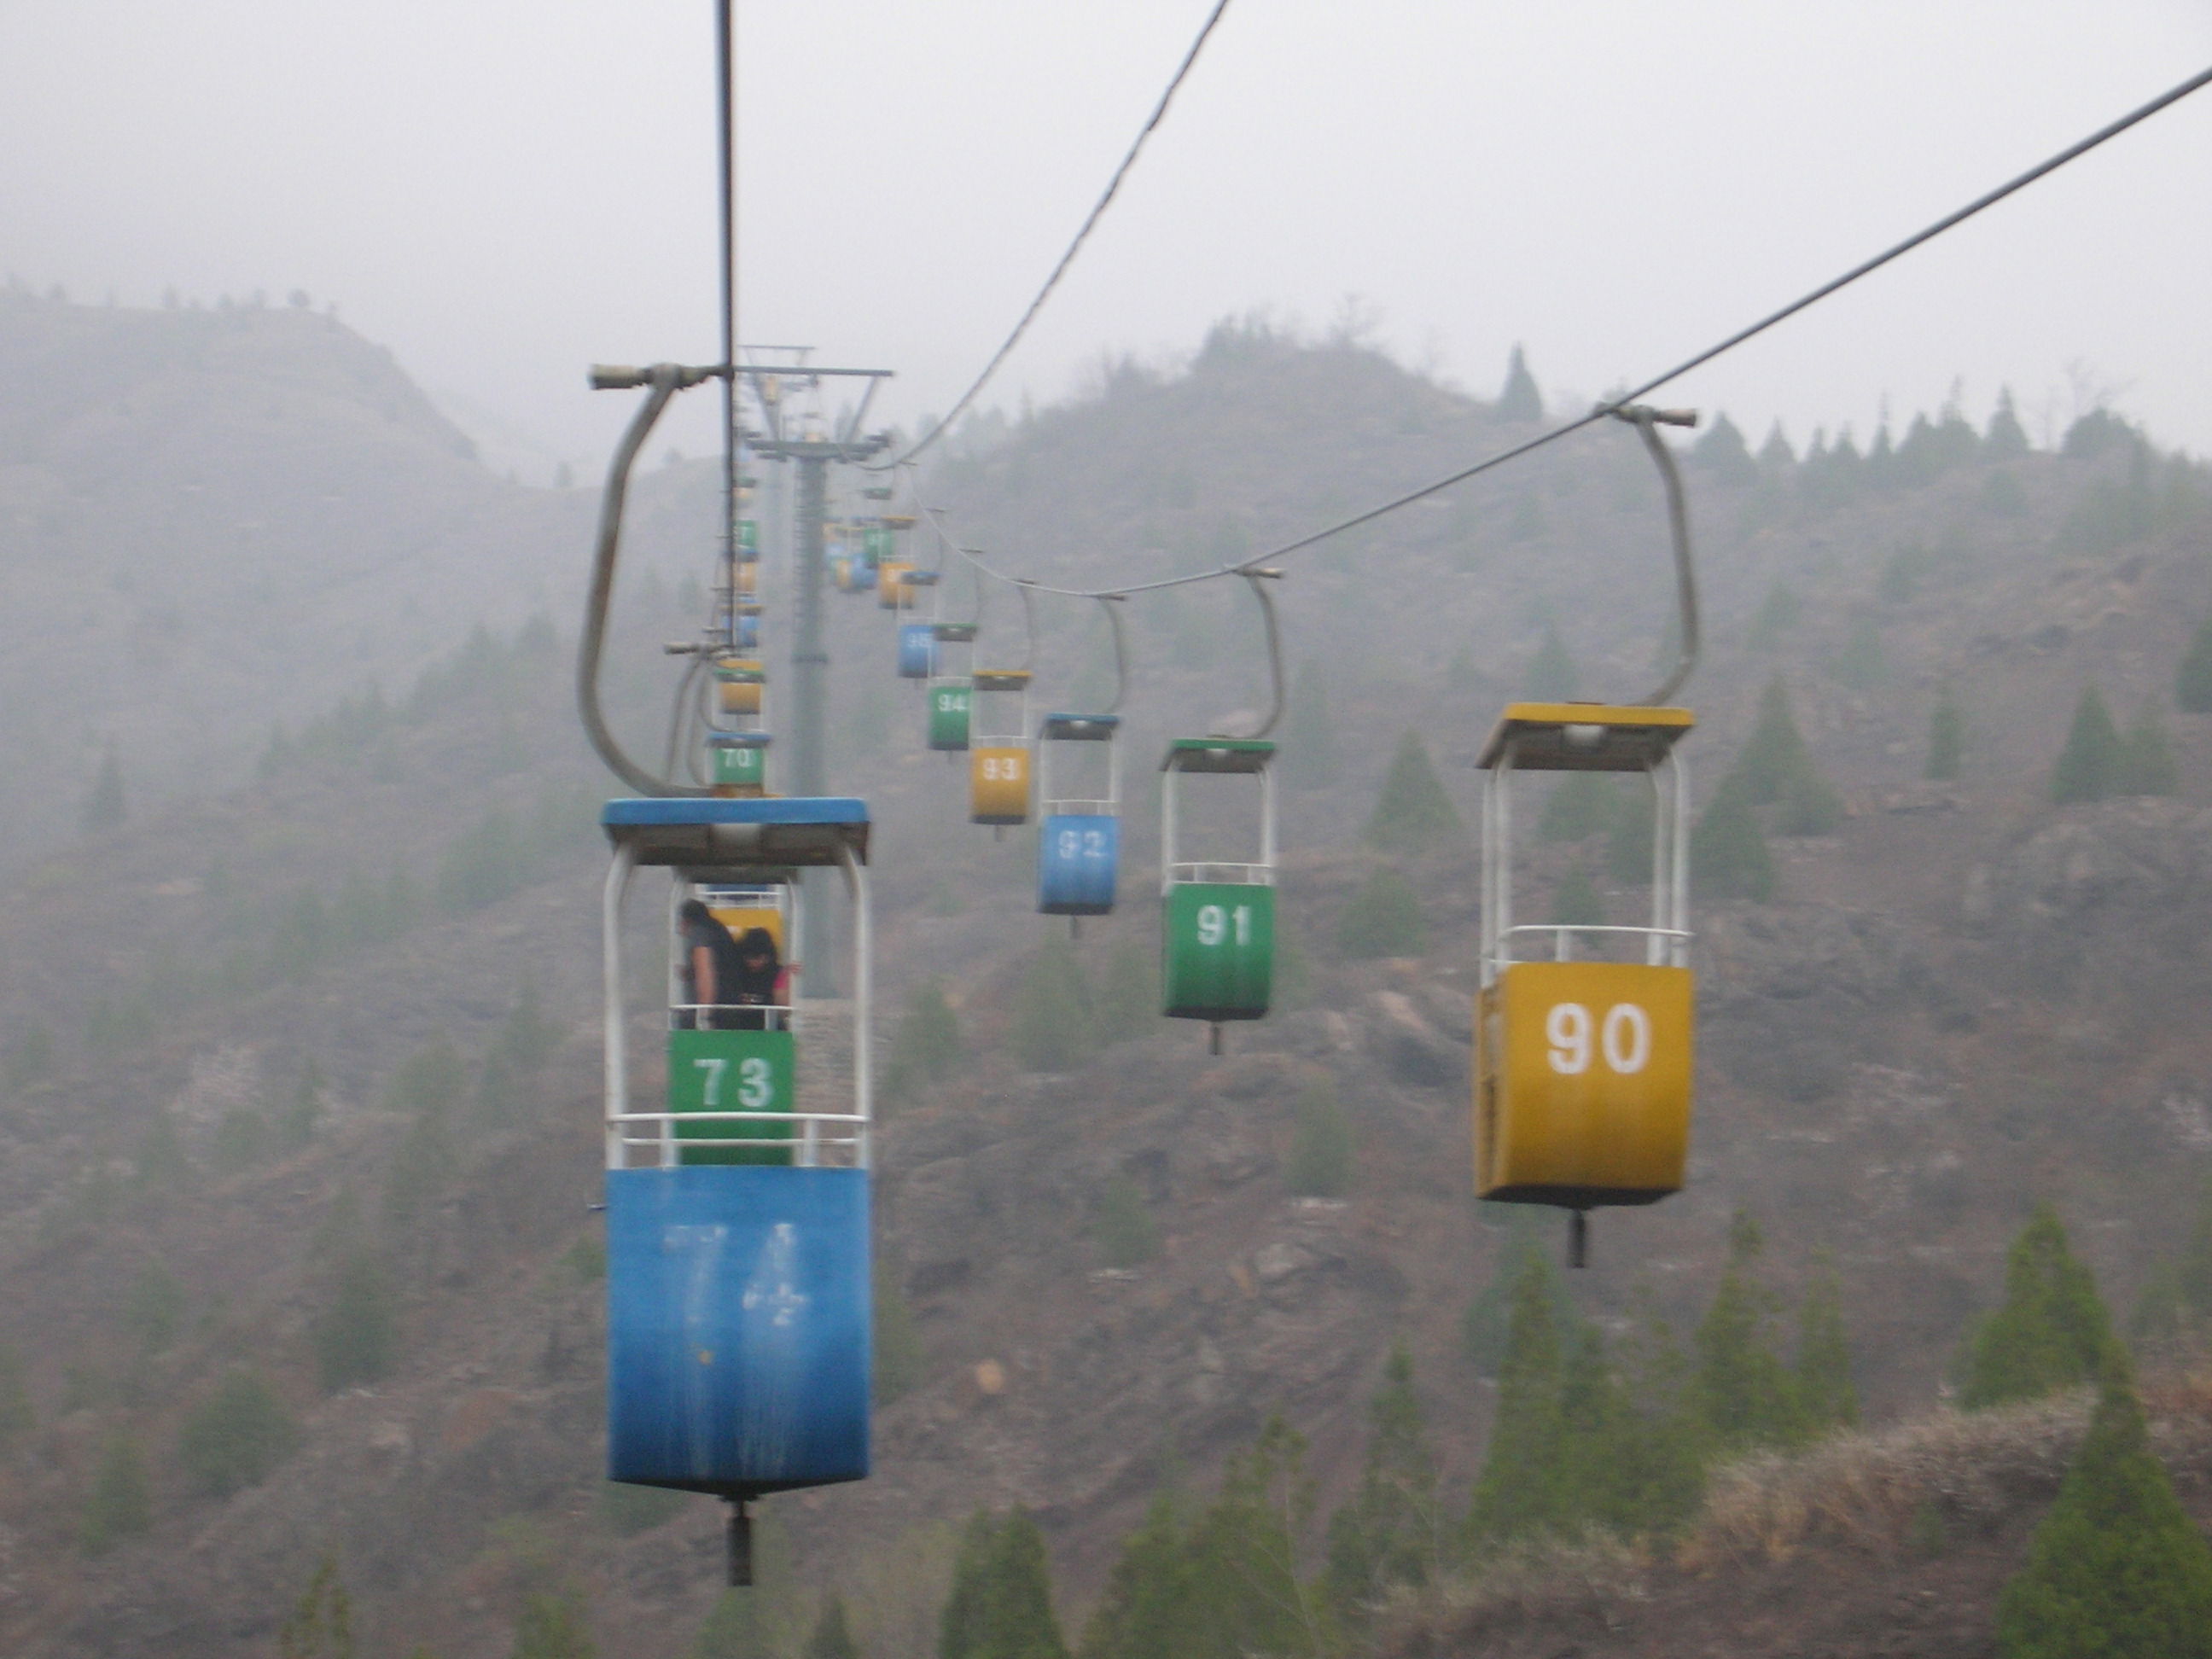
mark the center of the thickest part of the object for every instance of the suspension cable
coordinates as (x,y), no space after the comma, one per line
(1949,221)
(726,97)
(1098,212)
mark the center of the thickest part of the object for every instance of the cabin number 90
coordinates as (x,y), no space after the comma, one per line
(1623,1038)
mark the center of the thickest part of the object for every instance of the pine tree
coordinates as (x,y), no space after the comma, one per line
(2089,766)
(2116,1569)
(1054,1031)
(1552,676)
(1777,615)
(1485,1329)
(2006,437)
(897,1354)
(2194,1270)
(121,1505)
(2192,681)
(1244,1550)
(17,1419)
(234,1440)
(735,1629)
(832,1639)
(103,807)
(1383,919)
(320,1625)
(1323,1146)
(1310,753)
(926,1045)
(1722,450)
(1146,1611)
(1747,1395)
(1728,857)
(2050,1333)
(1580,804)
(1520,1490)
(1776,455)
(554,1627)
(1575,902)
(1520,400)
(27,1058)
(1859,664)
(1628,836)
(1387,1534)
(1777,766)
(1122,1226)
(1000,1603)
(1946,739)
(1413,814)
(356,1338)
(1824,1390)
(2147,762)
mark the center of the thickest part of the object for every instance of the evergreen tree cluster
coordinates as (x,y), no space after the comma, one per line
(2051,1332)
(1063,1016)
(999,1605)
(1774,786)
(363,727)
(1586,1436)
(2099,761)
(926,1049)
(1224,1581)
(1588,1433)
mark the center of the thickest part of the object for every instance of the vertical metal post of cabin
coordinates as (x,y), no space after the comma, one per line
(810,693)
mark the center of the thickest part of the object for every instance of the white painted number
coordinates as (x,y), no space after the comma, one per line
(1624,1037)
(1567,1028)
(713,1069)
(756,1083)
(1002,768)
(1215,924)
(1082,843)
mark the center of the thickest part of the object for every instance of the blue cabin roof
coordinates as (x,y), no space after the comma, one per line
(714,833)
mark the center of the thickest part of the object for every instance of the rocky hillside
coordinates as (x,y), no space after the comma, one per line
(300,1076)
(211,520)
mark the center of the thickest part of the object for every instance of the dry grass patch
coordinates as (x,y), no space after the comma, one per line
(1862,1491)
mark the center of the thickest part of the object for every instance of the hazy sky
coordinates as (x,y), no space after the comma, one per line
(503,191)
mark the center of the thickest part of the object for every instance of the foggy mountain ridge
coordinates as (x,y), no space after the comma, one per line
(1959,997)
(215,520)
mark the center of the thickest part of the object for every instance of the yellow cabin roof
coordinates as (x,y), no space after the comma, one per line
(1584,736)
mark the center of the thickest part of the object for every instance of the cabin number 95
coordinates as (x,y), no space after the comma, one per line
(1622,1038)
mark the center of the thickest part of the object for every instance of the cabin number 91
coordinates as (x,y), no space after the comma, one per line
(1215,922)
(1623,1038)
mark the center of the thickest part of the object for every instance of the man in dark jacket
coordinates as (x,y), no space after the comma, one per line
(710,969)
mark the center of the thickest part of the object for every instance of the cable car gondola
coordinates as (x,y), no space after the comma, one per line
(1079,830)
(999,747)
(952,693)
(1583,1074)
(739,1318)
(1218,937)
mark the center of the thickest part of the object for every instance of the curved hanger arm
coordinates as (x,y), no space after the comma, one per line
(665,379)
(1256,577)
(1121,651)
(1647,420)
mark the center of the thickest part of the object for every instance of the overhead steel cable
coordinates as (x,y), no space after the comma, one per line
(1098,212)
(726,99)
(1619,404)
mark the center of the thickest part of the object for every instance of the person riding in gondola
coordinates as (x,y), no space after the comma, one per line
(712,967)
(760,982)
